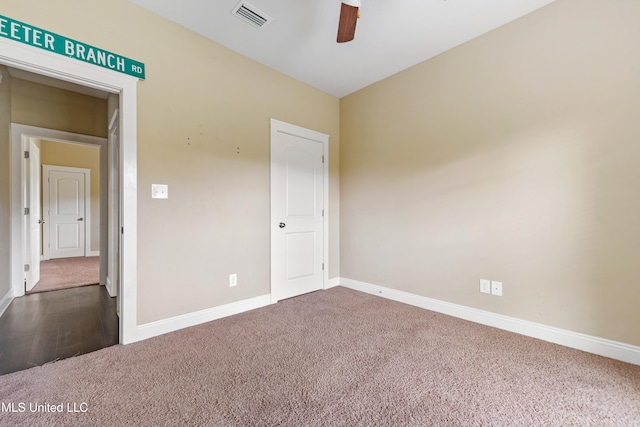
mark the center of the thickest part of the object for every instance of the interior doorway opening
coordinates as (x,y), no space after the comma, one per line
(67,252)
(78,73)
(79,222)
(61,221)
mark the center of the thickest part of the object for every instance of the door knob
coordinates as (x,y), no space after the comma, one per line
(80,219)
(282,225)
(41,221)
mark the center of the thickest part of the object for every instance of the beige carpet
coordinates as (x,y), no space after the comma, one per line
(332,358)
(64,273)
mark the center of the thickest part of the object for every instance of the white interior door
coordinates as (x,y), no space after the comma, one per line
(34,218)
(66,214)
(297,199)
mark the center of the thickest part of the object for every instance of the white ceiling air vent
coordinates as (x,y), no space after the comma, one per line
(251,14)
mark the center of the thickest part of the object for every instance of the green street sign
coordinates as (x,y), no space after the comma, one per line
(43,39)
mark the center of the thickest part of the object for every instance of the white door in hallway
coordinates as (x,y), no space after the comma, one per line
(33,219)
(66,213)
(297,198)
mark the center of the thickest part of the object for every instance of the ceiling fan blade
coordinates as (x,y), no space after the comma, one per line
(347,24)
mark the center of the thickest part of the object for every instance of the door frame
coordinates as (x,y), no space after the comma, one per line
(46,200)
(17,55)
(277,127)
(110,165)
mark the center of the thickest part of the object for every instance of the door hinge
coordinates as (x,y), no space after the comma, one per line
(323,265)
(122,230)
(323,158)
(26,211)
(26,267)
(322,212)
(26,154)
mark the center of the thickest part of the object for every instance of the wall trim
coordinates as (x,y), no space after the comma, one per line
(93,253)
(332,283)
(5,301)
(109,287)
(153,329)
(600,346)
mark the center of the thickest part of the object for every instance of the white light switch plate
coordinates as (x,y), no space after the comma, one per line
(159,191)
(485,286)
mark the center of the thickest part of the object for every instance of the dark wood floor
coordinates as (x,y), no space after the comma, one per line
(40,328)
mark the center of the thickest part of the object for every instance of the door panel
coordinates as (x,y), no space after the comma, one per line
(67,236)
(67,214)
(300,183)
(301,255)
(297,197)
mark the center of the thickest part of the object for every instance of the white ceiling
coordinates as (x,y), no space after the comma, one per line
(391,35)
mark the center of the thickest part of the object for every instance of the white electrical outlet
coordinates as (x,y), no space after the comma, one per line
(159,191)
(496,288)
(233,279)
(485,286)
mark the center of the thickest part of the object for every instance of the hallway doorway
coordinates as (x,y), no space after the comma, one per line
(66,214)
(62,179)
(69,70)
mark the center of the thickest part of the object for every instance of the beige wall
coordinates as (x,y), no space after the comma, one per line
(5,188)
(78,156)
(35,104)
(200,102)
(513,157)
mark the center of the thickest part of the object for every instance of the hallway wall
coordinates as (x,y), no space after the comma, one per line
(35,104)
(5,181)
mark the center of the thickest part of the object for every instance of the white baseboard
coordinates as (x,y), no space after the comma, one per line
(6,300)
(603,347)
(112,292)
(149,330)
(93,253)
(332,283)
